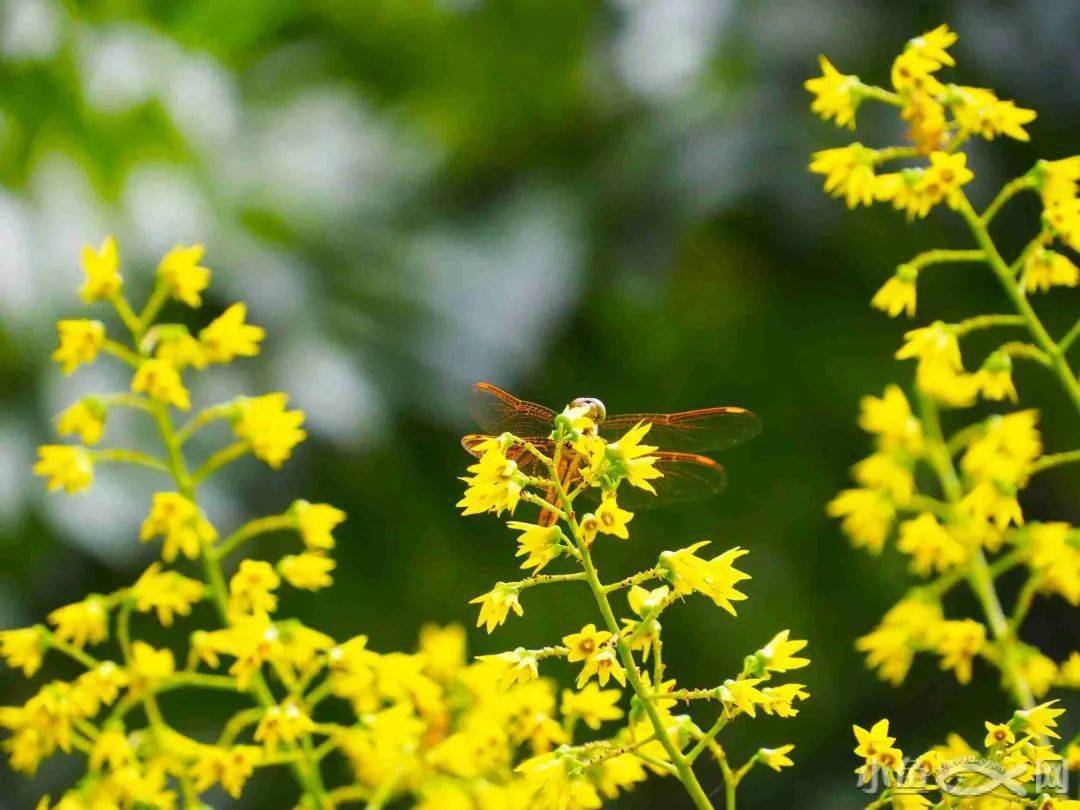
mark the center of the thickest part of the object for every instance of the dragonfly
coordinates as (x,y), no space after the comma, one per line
(682,439)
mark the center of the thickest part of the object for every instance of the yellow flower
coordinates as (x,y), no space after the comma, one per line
(1044,269)
(178,348)
(930,545)
(870,743)
(86,418)
(111,748)
(642,600)
(309,571)
(993,501)
(316,521)
(1055,559)
(945,175)
(979,112)
(1063,218)
(443,649)
(958,642)
(898,293)
(891,419)
(780,700)
(835,95)
(886,473)
(283,723)
(538,544)
(271,430)
(100,686)
(890,647)
(995,378)
(625,459)
(515,666)
(167,592)
(923,56)
(82,622)
(604,664)
(998,734)
(228,767)
(23,649)
(776,758)
(251,588)
(149,666)
(608,519)
(102,269)
(496,604)
(867,517)
(179,270)
(935,343)
(715,578)
(741,695)
(1040,671)
(778,654)
(927,127)
(80,342)
(849,173)
(227,336)
(1041,720)
(495,485)
(66,466)
(180,522)
(592,705)
(160,381)
(585,644)
(1004,452)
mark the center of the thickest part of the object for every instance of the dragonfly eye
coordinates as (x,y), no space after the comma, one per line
(596,408)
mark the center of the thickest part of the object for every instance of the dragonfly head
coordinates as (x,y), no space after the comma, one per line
(597,411)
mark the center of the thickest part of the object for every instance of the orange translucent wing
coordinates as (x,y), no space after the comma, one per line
(499,412)
(687,477)
(689,431)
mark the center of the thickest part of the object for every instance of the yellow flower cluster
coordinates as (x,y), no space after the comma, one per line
(425,727)
(1020,764)
(621,661)
(952,495)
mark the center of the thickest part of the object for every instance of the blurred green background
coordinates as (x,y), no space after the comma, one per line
(565,198)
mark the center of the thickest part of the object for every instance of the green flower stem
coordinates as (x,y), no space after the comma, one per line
(978,572)
(120,456)
(633,579)
(986,322)
(879,94)
(225,456)
(1008,191)
(127,315)
(1023,603)
(1055,460)
(122,352)
(304,769)
(1019,301)
(1026,351)
(730,782)
(684,772)
(204,418)
(547,579)
(153,306)
(70,651)
(708,737)
(942,256)
(1070,337)
(251,529)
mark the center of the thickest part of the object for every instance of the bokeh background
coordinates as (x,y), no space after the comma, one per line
(566,198)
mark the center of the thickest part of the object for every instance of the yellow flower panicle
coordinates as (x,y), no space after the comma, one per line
(952,491)
(621,689)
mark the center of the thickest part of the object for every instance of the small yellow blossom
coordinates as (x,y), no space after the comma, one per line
(1041,720)
(715,578)
(741,695)
(180,522)
(228,337)
(113,749)
(835,95)
(167,592)
(271,430)
(779,654)
(178,348)
(898,294)
(604,664)
(228,767)
(780,700)
(316,522)
(251,588)
(23,648)
(776,758)
(870,743)
(889,473)
(891,419)
(102,270)
(626,459)
(995,378)
(80,342)
(1044,269)
(921,57)
(930,545)
(160,381)
(496,604)
(592,705)
(66,466)
(998,734)
(515,666)
(958,642)
(309,571)
(283,723)
(538,544)
(85,418)
(443,649)
(149,666)
(890,647)
(608,519)
(867,517)
(849,173)
(82,622)
(586,643)
(979,112)
(181,273)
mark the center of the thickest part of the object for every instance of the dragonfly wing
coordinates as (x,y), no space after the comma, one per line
(498,412)
(689,431)
(687,477)
(526,461)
